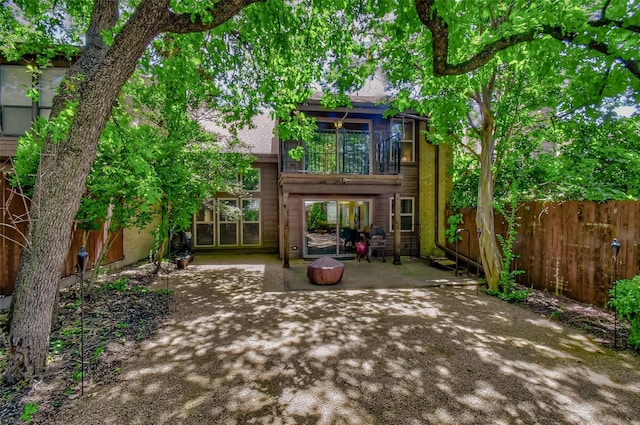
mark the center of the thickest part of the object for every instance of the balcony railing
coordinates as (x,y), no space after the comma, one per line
(345,152)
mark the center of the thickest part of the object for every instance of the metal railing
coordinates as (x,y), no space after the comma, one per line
(345,152)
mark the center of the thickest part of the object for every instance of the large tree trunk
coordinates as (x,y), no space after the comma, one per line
(94,82)
(489,248)
(98,76)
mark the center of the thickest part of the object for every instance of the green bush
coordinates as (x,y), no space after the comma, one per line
(451,232)
(625,298)
(118,285)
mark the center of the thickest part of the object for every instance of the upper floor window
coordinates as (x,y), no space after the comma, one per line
(405,129)
(17,109)
(338,147)
(251,180)
(49,81)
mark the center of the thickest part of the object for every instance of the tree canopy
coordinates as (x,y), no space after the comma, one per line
(241,55)
(492,76)
(234,62)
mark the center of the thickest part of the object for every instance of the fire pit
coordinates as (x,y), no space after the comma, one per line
(325,271)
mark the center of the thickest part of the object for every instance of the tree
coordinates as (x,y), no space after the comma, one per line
(608,27)
(588,49)
(190,165)
(80,112)
(274,49)
(598,161)
(241,61)
(163,168)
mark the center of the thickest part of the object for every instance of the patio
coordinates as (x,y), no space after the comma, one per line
(249,342)
(412,273)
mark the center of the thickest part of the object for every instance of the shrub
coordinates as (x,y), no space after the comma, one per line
(625,298)
(118,285)
(29,410)
(451,232)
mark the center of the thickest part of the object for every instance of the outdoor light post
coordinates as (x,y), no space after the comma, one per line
(479,257)
(479,231)
(83,259)
(615,246)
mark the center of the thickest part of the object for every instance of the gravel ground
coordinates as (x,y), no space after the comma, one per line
(238,349)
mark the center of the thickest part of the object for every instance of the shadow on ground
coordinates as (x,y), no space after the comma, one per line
(242,346)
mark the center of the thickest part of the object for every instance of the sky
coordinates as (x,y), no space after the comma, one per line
(625,111)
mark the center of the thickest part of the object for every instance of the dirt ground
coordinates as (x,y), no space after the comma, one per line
(119,312)
(237,345)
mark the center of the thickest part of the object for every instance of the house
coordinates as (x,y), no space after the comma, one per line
(360,171)
(255,229)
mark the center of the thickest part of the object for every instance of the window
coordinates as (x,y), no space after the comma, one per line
(333,226)
(338,147)
(231,221)
(18,109)
(250,221)
(251,180)
(204,226)
(406,214)
(48,84)
(405,128)
(228,222)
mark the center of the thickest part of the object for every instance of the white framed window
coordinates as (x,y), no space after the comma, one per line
(204,226)
(405,128)
(231,221)
(250,221)
(407,213)
(228,222)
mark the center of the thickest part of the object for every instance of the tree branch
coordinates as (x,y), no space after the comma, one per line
(632,65)
(182,23)
(465,146)
(428,14)
(104,16)
(605,22)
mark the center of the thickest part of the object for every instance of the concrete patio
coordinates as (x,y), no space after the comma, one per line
(411,273)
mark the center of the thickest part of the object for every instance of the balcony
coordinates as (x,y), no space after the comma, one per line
(345,152)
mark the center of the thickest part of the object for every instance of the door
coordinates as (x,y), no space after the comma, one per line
(332,227)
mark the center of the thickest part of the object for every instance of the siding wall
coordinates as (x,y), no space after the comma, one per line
(269,205)
(432,158)
(8,147)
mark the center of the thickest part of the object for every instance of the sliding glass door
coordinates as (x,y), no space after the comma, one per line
(332,227)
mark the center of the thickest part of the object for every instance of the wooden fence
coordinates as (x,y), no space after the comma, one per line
(13,224)
(565,248)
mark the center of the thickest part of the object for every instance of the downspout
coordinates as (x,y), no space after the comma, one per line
(464,258)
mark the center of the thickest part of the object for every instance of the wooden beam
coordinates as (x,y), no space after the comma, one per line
(285,219)
(396,225)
